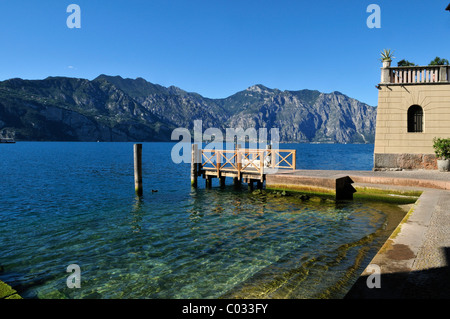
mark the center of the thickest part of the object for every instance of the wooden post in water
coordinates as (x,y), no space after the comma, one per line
(208,181)
(218,162)
(137,151)
(269,155)
(238,164)
(194,166)
(259,184)
(222,181)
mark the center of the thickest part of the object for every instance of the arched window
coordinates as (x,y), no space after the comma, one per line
(415,119)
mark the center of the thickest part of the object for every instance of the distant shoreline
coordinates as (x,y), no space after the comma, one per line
(205,142)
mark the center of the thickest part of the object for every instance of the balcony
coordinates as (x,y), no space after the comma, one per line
(436,74)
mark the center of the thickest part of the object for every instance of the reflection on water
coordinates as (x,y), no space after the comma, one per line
(137,214)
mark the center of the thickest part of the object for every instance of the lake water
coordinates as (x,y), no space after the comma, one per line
(74,203)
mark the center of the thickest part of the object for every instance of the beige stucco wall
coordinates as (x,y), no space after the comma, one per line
(392,137)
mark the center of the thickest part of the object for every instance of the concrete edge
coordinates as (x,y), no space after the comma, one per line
(406,191)
(303,189)
(401,181)
(338,185)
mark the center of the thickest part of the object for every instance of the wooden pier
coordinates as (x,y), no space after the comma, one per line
(274,167)
(243,165)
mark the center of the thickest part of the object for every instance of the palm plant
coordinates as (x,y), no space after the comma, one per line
(387,55)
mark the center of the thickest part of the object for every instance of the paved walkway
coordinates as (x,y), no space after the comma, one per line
(417,174)
(420,178)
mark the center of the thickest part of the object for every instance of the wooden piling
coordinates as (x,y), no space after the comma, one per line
(222,181)
(238,161)
(194,165)
(208,181)
(270,156)
(218,162)
(261,164)
(236,182)
(137,151)
(259,184)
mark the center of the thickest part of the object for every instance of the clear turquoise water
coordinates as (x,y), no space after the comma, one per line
(74,203)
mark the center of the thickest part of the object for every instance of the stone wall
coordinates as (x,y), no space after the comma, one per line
(404,161)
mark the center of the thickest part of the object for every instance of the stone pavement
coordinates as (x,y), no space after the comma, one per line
(414,261)
(418,178)
(437,235)
(416,174)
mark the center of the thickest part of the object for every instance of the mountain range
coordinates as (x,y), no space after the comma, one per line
(112,108)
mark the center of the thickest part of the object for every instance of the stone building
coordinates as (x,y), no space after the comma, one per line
(413,108)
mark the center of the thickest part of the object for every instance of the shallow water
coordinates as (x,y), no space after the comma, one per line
(74,203)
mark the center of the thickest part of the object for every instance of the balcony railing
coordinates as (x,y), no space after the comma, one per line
(415,74)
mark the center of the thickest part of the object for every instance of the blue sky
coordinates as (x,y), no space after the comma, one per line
(219,47)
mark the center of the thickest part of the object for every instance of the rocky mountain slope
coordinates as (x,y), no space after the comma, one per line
(111,108)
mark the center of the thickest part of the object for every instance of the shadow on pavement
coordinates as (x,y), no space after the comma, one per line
(432,283)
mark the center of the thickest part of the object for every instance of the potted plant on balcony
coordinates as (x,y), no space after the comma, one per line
(386,57)
(442,150)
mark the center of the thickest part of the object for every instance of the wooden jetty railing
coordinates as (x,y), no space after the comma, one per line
(248,165)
